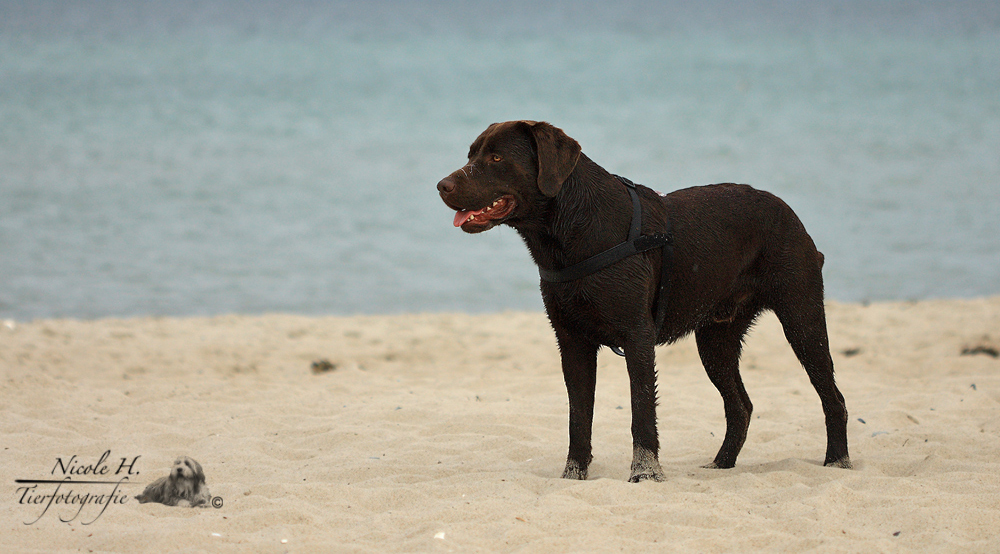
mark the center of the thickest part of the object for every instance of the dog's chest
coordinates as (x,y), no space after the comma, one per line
(584,314)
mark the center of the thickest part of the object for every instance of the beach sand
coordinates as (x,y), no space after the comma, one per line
(447,433)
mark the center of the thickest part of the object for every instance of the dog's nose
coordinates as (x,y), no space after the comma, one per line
(446,185)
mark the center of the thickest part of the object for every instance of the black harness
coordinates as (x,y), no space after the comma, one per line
(634,244)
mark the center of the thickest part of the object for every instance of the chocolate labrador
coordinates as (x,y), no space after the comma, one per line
(624,267)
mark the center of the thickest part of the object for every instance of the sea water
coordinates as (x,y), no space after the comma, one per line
(194,158)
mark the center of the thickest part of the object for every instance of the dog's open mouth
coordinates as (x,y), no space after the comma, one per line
(485,217)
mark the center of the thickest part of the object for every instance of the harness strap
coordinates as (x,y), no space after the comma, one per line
(635,244)
(666,262)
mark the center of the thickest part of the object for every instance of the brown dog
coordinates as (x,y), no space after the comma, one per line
(734,252)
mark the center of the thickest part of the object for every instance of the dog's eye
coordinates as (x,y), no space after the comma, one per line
(496,158)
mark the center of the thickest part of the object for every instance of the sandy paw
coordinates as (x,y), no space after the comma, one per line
(645,466)
(842,463)
(574,471)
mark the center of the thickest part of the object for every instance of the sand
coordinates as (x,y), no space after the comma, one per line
(447,433)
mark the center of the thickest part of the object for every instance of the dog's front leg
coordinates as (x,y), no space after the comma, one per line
(579,365)
(640,359)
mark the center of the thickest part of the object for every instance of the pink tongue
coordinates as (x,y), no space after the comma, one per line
(462,217)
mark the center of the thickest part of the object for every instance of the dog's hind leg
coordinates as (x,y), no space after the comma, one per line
(579,365)
(804,323)
(719,346)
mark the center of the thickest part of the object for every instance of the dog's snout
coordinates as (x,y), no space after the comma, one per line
(446,185)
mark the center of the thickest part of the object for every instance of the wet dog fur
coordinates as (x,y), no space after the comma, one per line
(737,252)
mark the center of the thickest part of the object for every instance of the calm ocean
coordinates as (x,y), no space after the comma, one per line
(195,158)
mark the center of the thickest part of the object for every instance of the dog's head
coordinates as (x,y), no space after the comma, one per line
(513,168)
(187,474)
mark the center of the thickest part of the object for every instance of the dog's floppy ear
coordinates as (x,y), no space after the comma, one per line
(557,156)
(199,474)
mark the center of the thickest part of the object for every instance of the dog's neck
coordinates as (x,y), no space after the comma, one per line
(591,213)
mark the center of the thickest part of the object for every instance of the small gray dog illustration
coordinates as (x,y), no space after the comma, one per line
(185,486)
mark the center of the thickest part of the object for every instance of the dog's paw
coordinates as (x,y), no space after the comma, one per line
(574,471)
(645,467)
(842,463)
(716,465)
(656,475)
